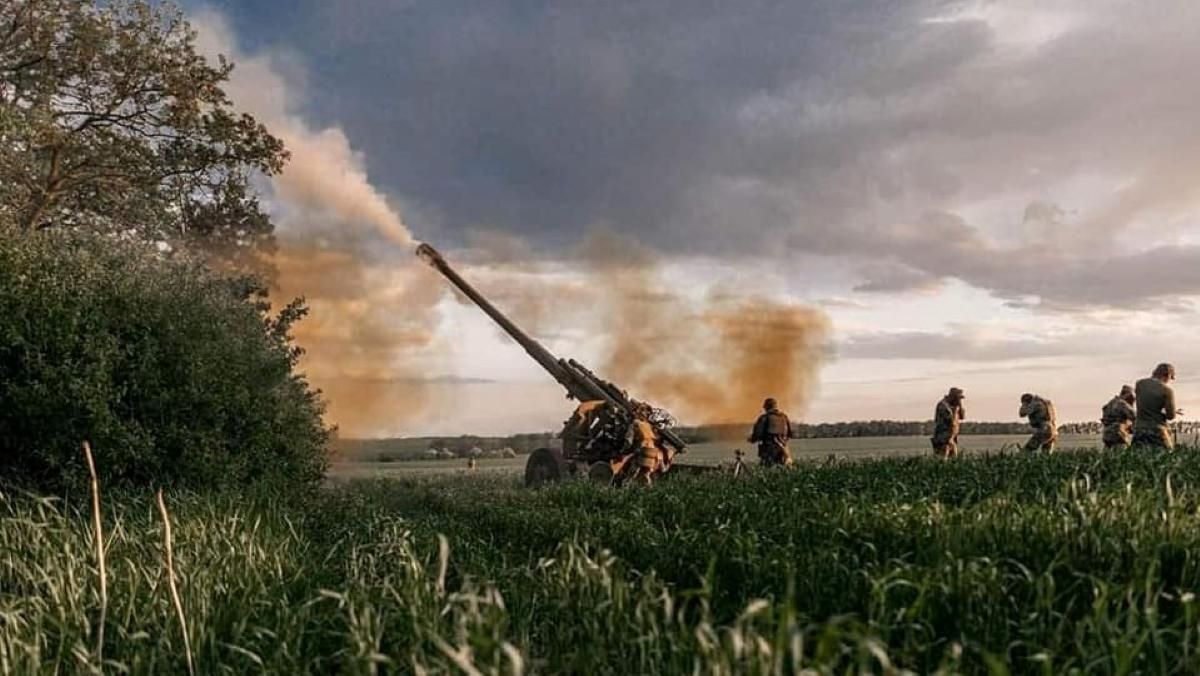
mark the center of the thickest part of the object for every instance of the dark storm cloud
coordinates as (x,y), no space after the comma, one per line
(865,132)
(547,118)
(1058,277)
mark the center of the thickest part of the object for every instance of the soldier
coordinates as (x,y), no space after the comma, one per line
(771,432)
(650,456)
(1156,406)
(1043,421)
(1117,417)
(947,415)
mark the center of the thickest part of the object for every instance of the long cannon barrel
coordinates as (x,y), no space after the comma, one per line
(580,383)
(577,388)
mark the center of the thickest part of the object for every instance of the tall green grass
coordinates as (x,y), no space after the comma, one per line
(1080,562)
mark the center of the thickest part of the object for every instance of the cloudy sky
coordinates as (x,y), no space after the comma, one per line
(1002,196)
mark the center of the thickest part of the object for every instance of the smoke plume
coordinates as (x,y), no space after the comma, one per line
(364,335)
(370,322)
(709,360)
(370,335)
(324,185)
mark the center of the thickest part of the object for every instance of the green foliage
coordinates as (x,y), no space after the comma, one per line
(110,120)
(1078,562)
(175,375)
(1074,563)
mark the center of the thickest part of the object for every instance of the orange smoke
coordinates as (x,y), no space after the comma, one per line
(368,329)
(718,362)
(368,322)
(711,360)
(370,335)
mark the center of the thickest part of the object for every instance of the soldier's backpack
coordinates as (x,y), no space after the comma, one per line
(1051,417)
(777,424)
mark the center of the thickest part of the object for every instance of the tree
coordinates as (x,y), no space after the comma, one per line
(110,120)
(176,375)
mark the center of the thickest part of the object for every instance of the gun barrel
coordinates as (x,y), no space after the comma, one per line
(580,383)
(540,354)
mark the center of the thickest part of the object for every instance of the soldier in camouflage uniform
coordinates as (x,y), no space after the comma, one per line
(1156,408)
(649,454)
(947,416)
(1117,416)
(1043,421)
(771,432)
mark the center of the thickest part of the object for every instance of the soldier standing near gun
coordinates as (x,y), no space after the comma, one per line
(771,432)
(947,416)
(1117,416)
(1043,421)
(645,445)
(1156,408)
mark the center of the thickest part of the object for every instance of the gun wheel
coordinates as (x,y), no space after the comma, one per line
(545,465)
(601,473)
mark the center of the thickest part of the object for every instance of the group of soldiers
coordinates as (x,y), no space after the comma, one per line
(1137,416)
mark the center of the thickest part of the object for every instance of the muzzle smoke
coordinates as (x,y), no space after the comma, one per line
(369,317)
(370,336)
(711,360)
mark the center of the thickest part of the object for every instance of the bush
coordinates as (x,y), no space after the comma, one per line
(176,376)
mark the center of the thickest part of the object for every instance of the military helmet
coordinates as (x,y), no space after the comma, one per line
(1026,398)
(1126,390)
(1164,370)
(770,404)
(956,392)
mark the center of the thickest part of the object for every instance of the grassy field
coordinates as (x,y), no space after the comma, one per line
(1080,562)
(722,452)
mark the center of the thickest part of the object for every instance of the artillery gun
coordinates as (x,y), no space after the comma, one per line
(616,438)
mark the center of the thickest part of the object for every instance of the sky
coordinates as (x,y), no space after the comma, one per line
(999,196)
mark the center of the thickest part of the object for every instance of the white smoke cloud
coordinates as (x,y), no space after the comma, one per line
(325,181)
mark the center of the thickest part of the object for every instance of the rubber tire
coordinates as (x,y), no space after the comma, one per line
(601,473)
(545,465)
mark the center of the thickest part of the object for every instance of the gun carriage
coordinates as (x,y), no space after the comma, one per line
(614,437)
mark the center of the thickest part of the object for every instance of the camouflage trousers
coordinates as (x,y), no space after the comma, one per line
(1116,437)
(649,458)
(1043,439)
(1153,437)
(945,446)
(774,455)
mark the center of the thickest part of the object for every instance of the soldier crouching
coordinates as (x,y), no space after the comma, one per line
(1117,416)
(1043,421)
